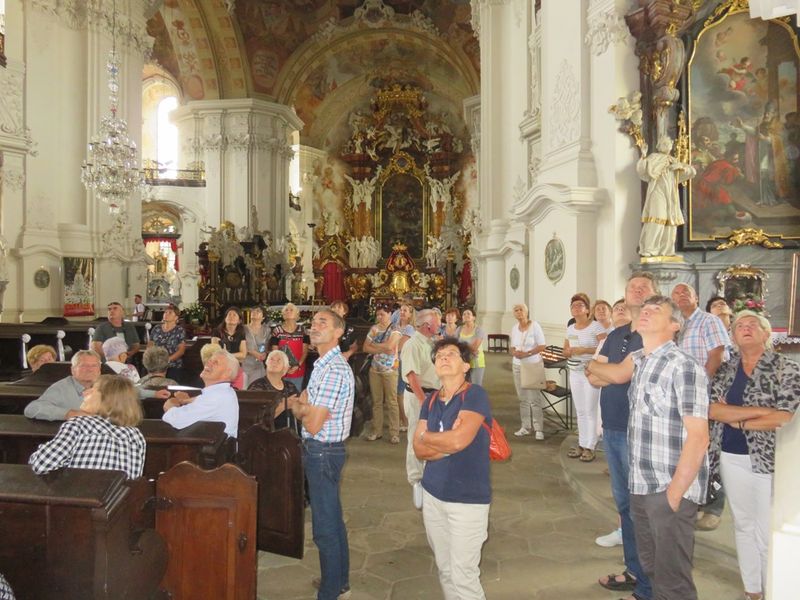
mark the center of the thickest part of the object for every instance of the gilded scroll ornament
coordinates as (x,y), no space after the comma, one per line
(748,236)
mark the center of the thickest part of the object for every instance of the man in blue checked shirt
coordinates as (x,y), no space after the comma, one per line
(326,408)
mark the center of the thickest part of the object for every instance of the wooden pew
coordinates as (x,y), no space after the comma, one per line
(68,535)
(204,444)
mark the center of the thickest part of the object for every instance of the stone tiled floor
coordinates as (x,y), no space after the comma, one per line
(545,514)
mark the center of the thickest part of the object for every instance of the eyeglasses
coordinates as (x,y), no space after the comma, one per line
(449,355)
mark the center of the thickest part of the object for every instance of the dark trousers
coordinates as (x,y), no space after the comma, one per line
(665,541)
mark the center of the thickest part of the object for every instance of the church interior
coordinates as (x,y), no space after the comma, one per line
(472,154)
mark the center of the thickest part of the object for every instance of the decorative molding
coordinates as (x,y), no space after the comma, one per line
(534,167)
(519,189)
(534,45)
(475,19)
(118,243)
(374,14)
(13,179)
(99,14)
(605,28)
(565,107)
(544,198)
(13,132)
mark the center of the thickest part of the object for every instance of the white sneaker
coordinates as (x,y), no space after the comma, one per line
(610,539)
(539,435)
(417,495)
(521,432)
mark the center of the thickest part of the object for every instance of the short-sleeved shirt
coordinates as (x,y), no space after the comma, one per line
(293,341)
(170,340)
(463,476)
(332,386)
(416,357)
(583,338)
(701,333)
(383,362)
(527,340)
(479,358)
(217,403)
(614,407)
(232,342)
(127,331)
(667,385)
(92,442)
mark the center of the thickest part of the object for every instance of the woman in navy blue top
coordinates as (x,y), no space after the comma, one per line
(452,438)
(752,394)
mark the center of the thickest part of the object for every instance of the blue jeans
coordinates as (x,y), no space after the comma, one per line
(616,447)
(323,466)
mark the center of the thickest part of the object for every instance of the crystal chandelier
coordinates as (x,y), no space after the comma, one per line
(111,167)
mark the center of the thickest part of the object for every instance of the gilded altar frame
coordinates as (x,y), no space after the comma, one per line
(392,219)
(738,68)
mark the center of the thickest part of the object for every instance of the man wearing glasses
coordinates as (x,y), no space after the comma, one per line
(614,409)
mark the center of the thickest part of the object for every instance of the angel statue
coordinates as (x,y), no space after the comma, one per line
(362,190)
(661,214)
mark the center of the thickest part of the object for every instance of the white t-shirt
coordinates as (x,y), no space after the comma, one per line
(583,338)
(527,340)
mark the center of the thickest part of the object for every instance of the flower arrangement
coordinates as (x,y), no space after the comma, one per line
(749,302)
(194,313)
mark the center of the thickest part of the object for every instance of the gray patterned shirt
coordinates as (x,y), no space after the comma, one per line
(667,385)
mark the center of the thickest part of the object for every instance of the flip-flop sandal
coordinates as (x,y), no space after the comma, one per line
(587,455)
(575,452)
(619,586)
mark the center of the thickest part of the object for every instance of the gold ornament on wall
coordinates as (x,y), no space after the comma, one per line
(749,236)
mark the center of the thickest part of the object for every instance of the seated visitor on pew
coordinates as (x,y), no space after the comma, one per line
(63,399)
(103,436)
(156,360)
(207,352)
(116,327)
(116,352)
(39,355)
(216,403)
(277,367)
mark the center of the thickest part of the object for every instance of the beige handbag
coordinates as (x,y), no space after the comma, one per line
(532,376)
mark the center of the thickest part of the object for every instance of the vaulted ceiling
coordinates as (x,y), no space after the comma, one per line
(324,57)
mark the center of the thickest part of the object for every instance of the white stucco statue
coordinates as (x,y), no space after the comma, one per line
(362,190)
(661,214)
(371,252)
(353,253)
(441,190)
(432,253)
(332,226)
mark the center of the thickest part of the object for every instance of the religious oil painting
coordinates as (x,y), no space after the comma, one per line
(401,217)
(78,287)
(740,95)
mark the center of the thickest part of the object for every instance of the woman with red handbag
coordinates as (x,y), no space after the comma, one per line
(453,436)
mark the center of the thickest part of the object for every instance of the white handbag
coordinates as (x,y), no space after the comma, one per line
(532,376)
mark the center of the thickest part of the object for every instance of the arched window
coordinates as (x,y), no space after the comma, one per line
(167,136)
(160,96)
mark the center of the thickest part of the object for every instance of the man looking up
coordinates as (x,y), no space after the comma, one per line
(115,327)
(420,378)
(668,437)
(63,399)
(326,409)
(615,412)
(703,336)
(705,339)
(217,402)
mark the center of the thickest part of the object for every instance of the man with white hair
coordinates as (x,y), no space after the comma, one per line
(420,378)
(63,399)
(216,403)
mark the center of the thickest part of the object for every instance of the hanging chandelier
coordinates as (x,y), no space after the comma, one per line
(111,167)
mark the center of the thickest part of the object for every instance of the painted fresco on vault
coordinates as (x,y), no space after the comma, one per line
(273,30)
(744,129)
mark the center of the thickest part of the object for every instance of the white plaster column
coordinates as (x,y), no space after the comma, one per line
(245,147)
(566,106)
(309,161)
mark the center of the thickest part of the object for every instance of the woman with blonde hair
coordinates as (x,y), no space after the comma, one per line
(752,395)
(406,317)
(527,343)
(39,355)
(103,436)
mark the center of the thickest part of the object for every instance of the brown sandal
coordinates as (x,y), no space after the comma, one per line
(575,452)
(587,455)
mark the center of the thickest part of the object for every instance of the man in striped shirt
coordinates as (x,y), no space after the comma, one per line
(326,408)
(667,443)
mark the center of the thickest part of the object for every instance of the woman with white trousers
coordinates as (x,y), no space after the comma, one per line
(527,343)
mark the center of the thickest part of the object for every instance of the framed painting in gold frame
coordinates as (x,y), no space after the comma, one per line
(741,98)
